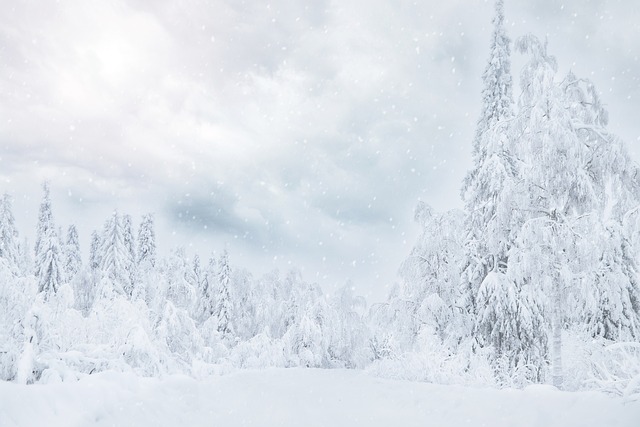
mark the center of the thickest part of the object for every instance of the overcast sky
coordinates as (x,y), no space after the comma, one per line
(291,132)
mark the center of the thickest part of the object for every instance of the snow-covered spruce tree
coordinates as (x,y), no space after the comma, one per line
(72,257)
(488,187)
(491,297)
(504,314)
(114,259)
(224,305)
(49,263)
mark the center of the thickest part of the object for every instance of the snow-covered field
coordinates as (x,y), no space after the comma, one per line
(300,397)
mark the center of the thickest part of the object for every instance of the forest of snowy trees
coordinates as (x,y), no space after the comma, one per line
(534,281)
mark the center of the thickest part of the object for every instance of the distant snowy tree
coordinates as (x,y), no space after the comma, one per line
(349,346)
(176,331)
(195,277)
(206,300)
(244,301)
(45,222)
(95,262)
(25,260)
(49,257)
(130,250)
(224,305)
(73,260)
(431,273)
(308,342)
(146,281)
(180,291)
(9,247)
(114,258)
(147,241)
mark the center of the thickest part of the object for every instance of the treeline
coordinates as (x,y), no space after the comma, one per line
(128,310)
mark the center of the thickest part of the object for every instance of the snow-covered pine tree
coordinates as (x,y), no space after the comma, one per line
(72,257)
(9,248)
(224,305)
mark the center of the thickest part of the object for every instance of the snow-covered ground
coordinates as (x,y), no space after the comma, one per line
(299,397)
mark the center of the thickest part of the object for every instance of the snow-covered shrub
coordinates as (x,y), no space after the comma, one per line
(616,369)
(261,351)
(433,362)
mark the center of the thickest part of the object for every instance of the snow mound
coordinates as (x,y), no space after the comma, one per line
(299,397)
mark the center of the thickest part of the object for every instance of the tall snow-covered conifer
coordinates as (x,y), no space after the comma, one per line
(501,309)
(488,187)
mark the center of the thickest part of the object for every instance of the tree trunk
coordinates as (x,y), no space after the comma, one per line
(556,361)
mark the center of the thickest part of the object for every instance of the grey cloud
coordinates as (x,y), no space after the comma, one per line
(283,122)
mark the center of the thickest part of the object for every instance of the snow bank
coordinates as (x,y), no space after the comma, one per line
(299,397)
